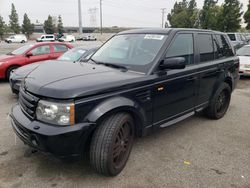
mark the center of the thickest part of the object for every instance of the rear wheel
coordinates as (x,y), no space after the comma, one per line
(220,102)
(9,70)
(22,41)
(111,144)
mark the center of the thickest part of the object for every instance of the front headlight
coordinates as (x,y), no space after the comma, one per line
(56,113)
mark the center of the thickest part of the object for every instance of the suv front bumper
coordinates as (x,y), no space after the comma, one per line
(62,142)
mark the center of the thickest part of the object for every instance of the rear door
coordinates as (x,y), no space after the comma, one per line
(175,92)
(210,69)
(58,50)
(40,53)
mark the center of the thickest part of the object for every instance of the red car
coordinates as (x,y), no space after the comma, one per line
(30,53)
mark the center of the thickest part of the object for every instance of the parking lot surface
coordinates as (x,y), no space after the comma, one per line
(197,152)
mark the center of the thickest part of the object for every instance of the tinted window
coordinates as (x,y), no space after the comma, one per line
(60,48)
(182,47)
(41,50)
(49,37)
(205,45)
(232,37)
(222,47)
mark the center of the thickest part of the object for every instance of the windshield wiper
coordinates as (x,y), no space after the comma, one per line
(110,64)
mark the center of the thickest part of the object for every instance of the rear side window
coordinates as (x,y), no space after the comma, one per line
(183,46)
(60,48)
(49,37)
(205,45)
(232,37)
(222,47)
(45,49)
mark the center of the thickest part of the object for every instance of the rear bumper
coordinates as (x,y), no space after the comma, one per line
(62,142)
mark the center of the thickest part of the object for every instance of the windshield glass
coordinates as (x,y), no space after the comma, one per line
(22,50)
(244,51)
(135,51)
(72,55)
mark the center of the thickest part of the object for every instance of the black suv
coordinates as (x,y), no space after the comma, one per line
(137,82)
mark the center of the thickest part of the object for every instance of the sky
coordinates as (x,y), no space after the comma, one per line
(122,13)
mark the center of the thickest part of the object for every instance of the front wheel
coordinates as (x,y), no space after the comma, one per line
(220,102)
(111,144)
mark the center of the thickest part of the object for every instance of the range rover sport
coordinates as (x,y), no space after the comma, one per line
(137,82)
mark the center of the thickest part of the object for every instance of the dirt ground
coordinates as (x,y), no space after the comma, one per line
(197,152)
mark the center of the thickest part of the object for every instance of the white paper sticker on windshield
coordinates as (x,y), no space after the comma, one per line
(154,37)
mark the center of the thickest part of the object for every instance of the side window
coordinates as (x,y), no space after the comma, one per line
(60,48)
(183,46)
(222,47)
(205,45)
(45,49)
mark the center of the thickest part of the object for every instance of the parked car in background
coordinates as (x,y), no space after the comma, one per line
(237,39)
(87,38)
(78,54)
(67,38)
(244,55)
(46,38)
(16,39)
(137,82)
(30,53)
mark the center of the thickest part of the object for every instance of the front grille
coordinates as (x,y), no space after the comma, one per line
(28,103)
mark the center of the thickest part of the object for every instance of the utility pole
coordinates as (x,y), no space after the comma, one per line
(101,16)
(163,11)
(80,16)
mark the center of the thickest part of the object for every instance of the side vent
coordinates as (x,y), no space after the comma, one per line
(143,96)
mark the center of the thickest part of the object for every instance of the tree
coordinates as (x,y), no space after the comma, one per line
(247,16)
(231,15)
(184,14)
(27,27)
(2,27)
(14,24)
(210,17)
(60,25)
(49,27)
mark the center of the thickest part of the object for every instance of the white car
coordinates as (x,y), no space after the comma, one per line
(67,38)
(16,39)
(46,38)
(244,55)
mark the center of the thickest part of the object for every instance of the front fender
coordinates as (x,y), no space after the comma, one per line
(114,105)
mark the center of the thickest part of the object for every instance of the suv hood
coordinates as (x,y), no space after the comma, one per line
(66,80)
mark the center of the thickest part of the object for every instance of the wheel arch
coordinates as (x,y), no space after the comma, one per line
(116,105)
(8,67)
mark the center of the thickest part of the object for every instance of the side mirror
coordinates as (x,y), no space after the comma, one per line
(29,54)
(173,63)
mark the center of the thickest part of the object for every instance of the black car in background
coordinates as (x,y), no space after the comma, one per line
(136,83)
(77,54)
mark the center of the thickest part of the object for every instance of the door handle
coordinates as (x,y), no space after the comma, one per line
(193,78)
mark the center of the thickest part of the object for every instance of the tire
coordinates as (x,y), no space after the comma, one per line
(22,41)
(111,144)
(220,102)
(9,70)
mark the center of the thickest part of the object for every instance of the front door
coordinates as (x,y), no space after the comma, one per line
(175,92)
(39,53)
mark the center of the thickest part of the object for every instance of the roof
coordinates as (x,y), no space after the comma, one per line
(164,31)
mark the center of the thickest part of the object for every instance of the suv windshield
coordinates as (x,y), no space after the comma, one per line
(244,51)
(21,50)
(135,51)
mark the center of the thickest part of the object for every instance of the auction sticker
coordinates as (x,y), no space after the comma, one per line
(154,37)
